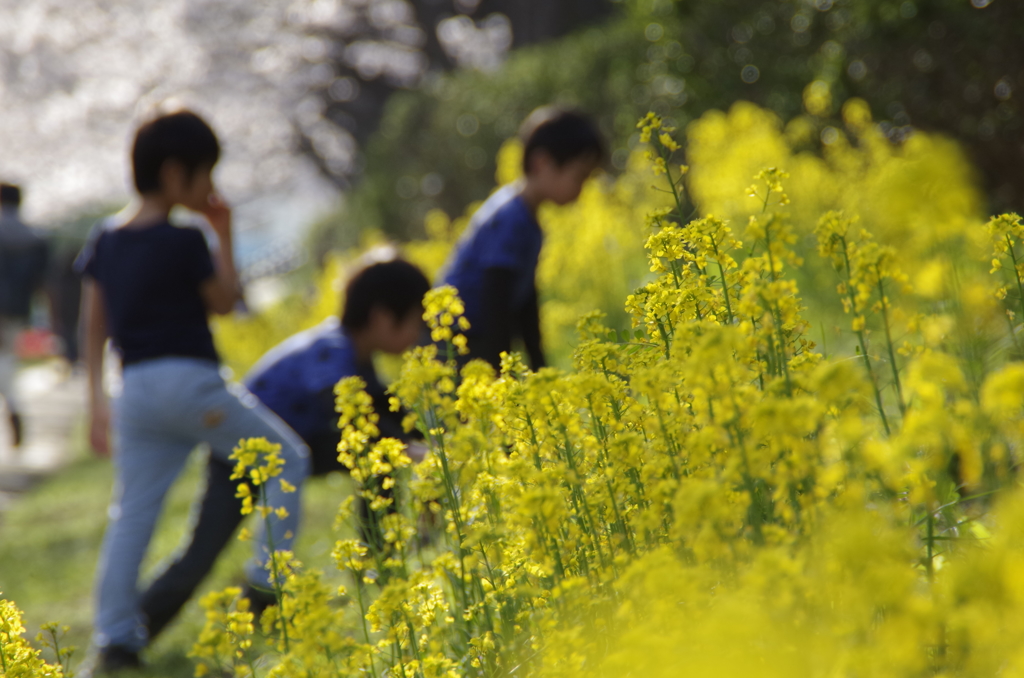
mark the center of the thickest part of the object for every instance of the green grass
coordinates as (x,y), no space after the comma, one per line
(50,540)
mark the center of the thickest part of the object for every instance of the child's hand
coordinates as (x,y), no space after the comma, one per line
(99,431)
(218,213)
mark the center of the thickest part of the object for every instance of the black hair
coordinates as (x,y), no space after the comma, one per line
(10,194)
(181,136)
(563,133)
(395,285)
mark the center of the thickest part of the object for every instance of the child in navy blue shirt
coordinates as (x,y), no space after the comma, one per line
(149,286)
(494,265)
(382,312)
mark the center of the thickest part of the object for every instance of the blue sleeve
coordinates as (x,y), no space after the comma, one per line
(197,264)
(302,367)
(504,244)
(321,376)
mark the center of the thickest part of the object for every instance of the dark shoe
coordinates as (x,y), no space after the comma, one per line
(16,429)
(109,661)
(259,599)
(115,658)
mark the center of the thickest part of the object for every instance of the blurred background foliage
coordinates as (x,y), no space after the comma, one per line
(948,66)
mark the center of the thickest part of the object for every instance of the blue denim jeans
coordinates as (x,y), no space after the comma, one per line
(167,407)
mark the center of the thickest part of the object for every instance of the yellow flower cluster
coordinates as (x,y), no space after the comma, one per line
(18,659)
(258,460)
(1006,232)
(224,645)
(649,124)
(443,311)
(708,489)
(305,632)
(50,636)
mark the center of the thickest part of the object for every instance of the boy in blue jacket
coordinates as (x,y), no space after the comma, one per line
(494,265)
(382,312)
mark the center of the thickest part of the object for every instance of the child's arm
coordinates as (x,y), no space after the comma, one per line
(94,319)
(495,335)
(529,324)
(222,291)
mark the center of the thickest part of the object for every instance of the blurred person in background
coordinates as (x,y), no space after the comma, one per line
(23,256)
(64,292)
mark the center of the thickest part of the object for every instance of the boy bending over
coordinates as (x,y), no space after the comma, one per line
(382,312)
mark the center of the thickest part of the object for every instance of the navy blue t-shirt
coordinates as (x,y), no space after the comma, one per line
(502,234)
(150,279)
(296,378)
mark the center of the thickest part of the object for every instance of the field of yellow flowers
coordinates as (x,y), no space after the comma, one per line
(729,480)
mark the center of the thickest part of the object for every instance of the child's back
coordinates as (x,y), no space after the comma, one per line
(503,236)
(151,279)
